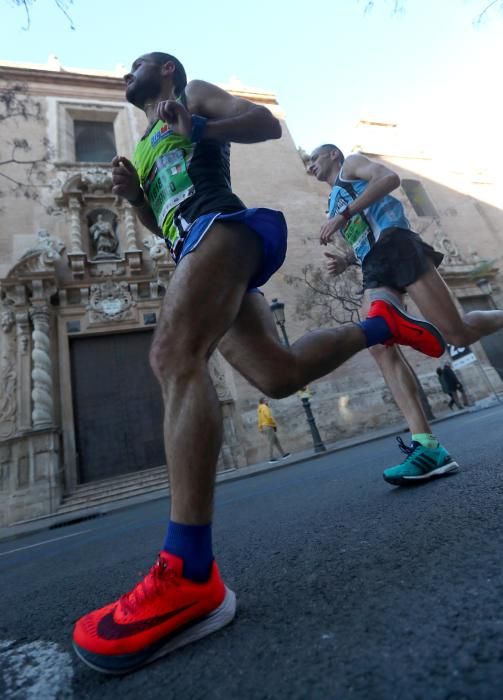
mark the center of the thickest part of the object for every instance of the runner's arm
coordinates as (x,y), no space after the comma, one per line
(126,183)
(147,218)
(338,262)
(381,180)
(230,118)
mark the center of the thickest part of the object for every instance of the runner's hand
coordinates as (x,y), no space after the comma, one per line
(337,263)
(328,229)
(176,116)
(125,180)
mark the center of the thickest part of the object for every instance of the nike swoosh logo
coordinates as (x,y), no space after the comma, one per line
(415,329)
(109,629)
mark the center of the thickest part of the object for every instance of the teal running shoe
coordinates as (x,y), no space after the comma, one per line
(420,464)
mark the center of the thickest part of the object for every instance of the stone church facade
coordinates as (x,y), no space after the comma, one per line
(82,282)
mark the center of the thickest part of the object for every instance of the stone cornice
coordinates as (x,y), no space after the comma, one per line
(57,80)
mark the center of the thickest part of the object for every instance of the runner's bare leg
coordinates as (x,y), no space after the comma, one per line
(252,346)
(434,300)
(206,300)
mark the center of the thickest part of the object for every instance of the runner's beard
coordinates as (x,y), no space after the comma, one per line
(138,93)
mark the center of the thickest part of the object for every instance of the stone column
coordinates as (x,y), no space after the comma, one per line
(75,230)
(24,371)
(8,379)
(130,227)
(42,389)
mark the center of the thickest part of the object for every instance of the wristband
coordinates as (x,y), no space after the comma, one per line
(138,201)
(198,128)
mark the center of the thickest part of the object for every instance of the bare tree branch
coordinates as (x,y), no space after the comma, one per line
(61,4)
(398,6)
(23,165)
(324,298)
(486,9)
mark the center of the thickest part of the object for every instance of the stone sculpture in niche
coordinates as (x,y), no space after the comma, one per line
(103,237)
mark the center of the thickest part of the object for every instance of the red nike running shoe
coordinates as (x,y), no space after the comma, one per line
(408,330)
(163,612)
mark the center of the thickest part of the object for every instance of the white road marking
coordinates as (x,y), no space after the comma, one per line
(36,670)
(39,544)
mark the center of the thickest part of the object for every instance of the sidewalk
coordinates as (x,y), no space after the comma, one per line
(54,521)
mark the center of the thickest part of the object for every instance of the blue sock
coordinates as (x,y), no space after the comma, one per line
(376,330)
(192,543)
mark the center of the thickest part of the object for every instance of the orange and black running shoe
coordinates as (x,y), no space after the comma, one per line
(163,612)
(408,330)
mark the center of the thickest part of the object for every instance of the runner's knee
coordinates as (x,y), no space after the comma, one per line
(177,352)
(384,354)
(378,352)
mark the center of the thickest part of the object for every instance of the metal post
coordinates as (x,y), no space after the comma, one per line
(317,441)
(285,337)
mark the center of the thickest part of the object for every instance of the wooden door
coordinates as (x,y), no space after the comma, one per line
(117,405)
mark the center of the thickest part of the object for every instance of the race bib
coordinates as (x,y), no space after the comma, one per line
(168,184)
(356,232)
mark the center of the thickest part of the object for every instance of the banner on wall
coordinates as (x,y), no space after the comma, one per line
(460,357)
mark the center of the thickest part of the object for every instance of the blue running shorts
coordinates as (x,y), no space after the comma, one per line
(268,224)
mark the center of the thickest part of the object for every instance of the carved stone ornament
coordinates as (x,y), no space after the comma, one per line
(110,301)
(97,180)
(7,320)
(41,373)
(107,268)
(40,258)
(452,256)
(156,247)
(83,185)
(8,380)
(7,392)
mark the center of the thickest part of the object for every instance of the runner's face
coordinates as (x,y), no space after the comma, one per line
(143,82)
(320,164)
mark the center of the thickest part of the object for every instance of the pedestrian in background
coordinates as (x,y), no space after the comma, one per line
(268,427)
(454,381)
(448,387)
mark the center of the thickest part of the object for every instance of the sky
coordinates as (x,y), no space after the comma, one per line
(329,62)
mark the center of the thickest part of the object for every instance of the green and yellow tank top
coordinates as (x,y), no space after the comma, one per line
(161,159)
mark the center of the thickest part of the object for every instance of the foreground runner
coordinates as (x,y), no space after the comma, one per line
(394,260)
(181,188)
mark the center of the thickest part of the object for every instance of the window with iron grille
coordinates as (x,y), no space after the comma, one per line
(94,141)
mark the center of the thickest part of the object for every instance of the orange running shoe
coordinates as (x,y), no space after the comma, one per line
(408,330)
(163,612)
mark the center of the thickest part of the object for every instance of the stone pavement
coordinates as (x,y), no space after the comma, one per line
(55,521)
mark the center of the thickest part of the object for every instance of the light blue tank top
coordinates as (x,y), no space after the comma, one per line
(387,212)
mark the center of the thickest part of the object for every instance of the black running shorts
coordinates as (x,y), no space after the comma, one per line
(397,260)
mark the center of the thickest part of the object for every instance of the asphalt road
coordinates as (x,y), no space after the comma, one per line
(347,588)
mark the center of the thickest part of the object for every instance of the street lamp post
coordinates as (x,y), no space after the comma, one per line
(278,311)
